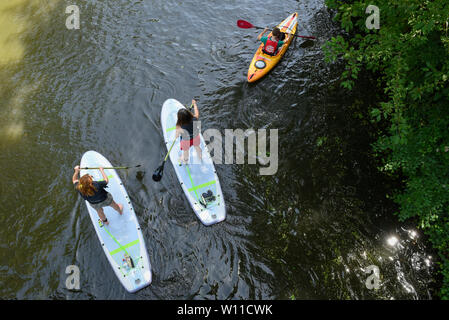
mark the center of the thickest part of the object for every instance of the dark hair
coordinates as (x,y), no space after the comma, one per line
(184,117)
(276,32)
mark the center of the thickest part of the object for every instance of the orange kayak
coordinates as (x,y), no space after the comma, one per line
(262,63)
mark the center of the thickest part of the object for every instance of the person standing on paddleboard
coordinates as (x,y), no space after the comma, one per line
(94,193)
(273,43)
(186,127)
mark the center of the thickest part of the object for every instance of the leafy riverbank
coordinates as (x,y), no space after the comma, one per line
(409,54)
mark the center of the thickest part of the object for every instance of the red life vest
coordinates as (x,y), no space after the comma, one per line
(270,46)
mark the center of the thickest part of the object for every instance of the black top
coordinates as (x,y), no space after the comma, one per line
(99,196)
(189,128)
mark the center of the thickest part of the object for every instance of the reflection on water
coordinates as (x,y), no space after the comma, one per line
(310,231)
(17,19)
(392,241)
(12,24)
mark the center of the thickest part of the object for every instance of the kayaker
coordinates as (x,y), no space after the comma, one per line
(273,43)
(185,128)
(95,194)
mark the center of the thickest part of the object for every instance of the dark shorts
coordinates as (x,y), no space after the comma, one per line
(105,203)
(186,144)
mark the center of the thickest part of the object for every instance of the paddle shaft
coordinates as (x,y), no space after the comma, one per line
(295,35)
(89,168)
(169,150)
(248,25)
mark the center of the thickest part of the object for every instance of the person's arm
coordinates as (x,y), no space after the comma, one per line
(197,113)
(261,34)
(76,174)
(105,177)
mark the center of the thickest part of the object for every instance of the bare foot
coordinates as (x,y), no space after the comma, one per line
(121,208)
(182,160)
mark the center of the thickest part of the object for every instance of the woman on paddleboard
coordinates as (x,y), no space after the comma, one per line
(94,193)
(272,44)
(187,129)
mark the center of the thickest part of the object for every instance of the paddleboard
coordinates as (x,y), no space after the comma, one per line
(198,180)
(122,238)
(262,63)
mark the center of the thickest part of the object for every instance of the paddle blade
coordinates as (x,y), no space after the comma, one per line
(157,175)
(244,24)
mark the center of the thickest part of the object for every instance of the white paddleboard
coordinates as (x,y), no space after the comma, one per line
(122,235)
(195,178)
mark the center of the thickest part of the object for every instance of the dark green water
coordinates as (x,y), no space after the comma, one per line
(309,231)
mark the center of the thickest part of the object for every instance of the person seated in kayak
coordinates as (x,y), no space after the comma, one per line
(272,44)
(187,129)
(94,193)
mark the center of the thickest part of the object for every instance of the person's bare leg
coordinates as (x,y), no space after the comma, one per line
(185,156)
(102,216)
(199,152)
(117,207)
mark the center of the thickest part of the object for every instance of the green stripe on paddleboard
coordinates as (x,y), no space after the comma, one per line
(109,177)
(191,182)
(194,188)
(126,246)
(171,129)
(113,238)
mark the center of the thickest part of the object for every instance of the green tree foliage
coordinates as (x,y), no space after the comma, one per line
(409,53)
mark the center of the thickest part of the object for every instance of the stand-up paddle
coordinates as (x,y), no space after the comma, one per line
(157,175)
(247,25)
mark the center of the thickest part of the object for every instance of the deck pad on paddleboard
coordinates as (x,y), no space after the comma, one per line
(123,235)
(199,180)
